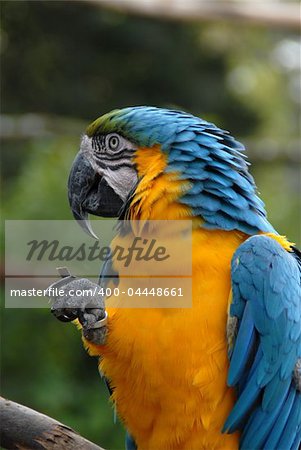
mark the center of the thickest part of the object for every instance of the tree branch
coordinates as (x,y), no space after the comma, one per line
(264,13)
(24,428)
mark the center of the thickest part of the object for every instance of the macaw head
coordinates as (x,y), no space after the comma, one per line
(129,148)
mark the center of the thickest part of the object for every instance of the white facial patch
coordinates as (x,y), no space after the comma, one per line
(87,150)
(121,180)
(115,169)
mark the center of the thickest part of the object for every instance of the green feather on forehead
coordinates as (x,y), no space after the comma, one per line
(129,122)
(110,122)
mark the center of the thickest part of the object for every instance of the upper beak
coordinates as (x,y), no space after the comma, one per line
(88,192)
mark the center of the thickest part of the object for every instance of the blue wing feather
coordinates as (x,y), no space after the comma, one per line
(266,299)
(241,352)
(280,423)
(288,438)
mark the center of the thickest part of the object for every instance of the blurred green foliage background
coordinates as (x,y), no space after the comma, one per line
(64,64)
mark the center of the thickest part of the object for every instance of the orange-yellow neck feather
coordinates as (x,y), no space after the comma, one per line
(157,194)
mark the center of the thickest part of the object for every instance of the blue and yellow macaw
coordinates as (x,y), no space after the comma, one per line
(225,373)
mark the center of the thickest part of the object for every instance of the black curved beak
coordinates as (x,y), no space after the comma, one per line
(88,192)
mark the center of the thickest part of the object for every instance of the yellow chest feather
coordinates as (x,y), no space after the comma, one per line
(168,367)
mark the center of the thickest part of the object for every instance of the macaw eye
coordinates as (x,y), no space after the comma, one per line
(113,142)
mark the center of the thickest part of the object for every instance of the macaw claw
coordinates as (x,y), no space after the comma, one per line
(79,298)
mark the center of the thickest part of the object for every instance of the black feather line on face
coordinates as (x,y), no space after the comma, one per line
(99,143)
(124,154)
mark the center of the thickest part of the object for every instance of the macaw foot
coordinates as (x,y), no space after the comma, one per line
(79,298)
